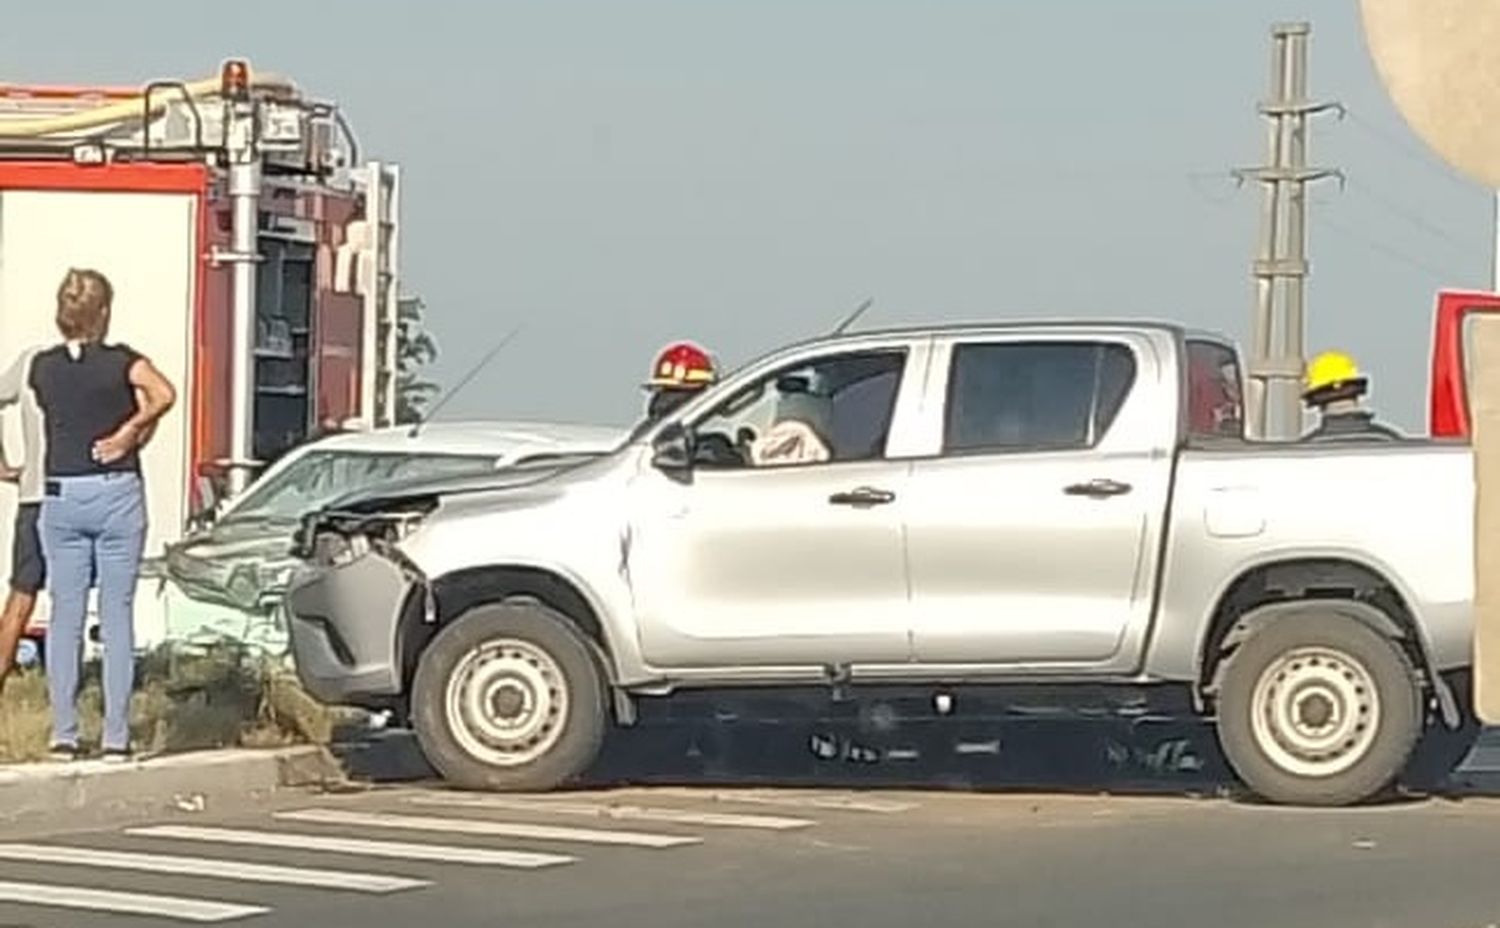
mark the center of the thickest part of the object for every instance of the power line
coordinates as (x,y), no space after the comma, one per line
(1407,213)
(1376,245)
(1196,180)
(1412,151)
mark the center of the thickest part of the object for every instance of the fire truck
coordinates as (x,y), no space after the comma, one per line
(253,256)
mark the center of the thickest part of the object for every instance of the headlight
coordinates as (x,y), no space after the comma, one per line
(331,549)
(337,540)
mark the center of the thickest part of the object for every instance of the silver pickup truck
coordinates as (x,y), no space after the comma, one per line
(942,520)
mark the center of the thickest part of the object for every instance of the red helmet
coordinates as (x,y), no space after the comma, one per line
(682,366)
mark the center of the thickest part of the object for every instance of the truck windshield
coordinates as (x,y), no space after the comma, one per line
(320,476)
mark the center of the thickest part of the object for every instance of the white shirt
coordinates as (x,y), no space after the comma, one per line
(15,387)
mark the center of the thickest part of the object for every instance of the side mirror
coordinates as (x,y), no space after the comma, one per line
(672,450)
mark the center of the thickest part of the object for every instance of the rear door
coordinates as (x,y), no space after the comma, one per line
(1033,531)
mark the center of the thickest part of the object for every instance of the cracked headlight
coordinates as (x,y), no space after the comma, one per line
(331,549)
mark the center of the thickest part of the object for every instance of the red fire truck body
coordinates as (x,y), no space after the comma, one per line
(253,259)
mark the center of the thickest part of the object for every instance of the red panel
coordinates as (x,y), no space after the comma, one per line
(56,92)
(1448,392)
(213,345)
(118,178)
(339,327)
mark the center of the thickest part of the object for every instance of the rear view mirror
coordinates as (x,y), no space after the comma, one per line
(672,450)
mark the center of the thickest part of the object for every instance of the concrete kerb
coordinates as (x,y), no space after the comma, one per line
(89,793)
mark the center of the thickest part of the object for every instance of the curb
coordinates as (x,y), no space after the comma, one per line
(87,793)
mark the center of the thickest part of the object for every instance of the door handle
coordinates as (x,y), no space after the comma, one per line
(1097,488)
(862,496)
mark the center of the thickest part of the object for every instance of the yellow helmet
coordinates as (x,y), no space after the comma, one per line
(1331,370)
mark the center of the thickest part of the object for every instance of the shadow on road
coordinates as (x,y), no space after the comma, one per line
(1157,759)
(1172,760)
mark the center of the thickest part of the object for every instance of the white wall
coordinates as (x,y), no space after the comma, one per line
(145,244)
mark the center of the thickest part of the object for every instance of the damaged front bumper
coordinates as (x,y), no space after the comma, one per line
(345,609)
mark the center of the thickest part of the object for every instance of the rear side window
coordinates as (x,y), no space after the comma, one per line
(1034,396)
(1215,407)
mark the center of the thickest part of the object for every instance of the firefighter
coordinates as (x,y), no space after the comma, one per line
(1334,387)
(681,370)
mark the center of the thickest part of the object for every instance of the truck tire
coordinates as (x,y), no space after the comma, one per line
(509,698)
(1318,709)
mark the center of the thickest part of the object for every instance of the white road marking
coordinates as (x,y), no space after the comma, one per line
(209,867)
(482,827)
(399,850)
(103,900)
(839,803)
(610,811)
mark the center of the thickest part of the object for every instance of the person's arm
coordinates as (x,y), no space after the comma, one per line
(154,396)
(12,382)
(9,473)
(150,429)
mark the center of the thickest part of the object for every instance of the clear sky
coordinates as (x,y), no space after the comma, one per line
(614,175)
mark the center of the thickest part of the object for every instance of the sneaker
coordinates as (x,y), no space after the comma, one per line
(64,752)
(117,756)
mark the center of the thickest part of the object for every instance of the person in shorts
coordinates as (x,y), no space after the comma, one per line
(28,568)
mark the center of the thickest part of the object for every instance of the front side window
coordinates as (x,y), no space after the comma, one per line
(836,408)
(1034,396)
(319,477)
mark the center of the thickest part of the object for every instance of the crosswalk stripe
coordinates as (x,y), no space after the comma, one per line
(400,850)
(104,900)
(483,827)
(209,867)
(795,801)
(606,810)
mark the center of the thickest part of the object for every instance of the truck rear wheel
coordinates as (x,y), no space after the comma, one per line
(1318,709)
(509,697)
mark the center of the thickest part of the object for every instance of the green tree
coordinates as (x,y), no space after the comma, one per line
(415,349)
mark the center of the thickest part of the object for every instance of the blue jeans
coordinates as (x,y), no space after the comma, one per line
(93,528)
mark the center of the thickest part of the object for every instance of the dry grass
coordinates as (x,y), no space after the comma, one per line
(185,699)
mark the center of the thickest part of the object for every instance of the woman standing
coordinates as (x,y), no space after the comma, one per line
(99,403)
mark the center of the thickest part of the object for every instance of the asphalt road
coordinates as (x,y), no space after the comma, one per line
(729,856)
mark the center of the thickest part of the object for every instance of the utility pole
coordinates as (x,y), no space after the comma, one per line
(1280,268)
(1495,256)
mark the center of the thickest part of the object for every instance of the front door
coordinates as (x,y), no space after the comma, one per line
(1032,535)
(783,546)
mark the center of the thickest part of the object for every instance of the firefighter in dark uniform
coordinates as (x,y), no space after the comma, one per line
(1335,388)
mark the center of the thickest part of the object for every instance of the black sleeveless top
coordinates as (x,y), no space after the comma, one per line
(83,399)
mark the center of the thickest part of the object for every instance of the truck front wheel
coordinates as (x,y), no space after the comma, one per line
(1318,709)
(508,697)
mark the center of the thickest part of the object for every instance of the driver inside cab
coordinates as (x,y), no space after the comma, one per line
(798,432)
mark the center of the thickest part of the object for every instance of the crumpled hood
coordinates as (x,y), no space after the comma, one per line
(391,494)
(236,564)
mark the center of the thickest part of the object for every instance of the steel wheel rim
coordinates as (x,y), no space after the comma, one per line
(507,702)
(1315,711)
